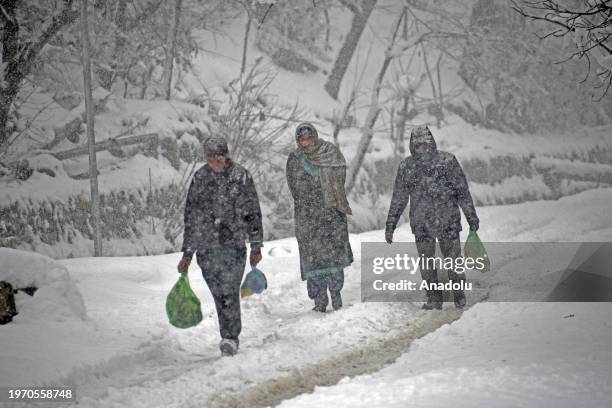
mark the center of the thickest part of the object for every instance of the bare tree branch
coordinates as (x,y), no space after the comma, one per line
(589,25)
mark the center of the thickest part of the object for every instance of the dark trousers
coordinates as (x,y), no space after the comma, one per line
(450,248)
(317,287)
(223,269)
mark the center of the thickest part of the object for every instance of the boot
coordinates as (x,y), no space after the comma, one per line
(228,347)
(336,300)
(459,297)
(321,301)
(319,308)
(434,300)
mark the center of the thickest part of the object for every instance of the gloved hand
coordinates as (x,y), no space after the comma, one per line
(389,235)
(183,265)
(474,226)
(255,257)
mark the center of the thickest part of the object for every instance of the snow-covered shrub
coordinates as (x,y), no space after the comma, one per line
(170,150)
(126,215)
(294,34)
(57,298)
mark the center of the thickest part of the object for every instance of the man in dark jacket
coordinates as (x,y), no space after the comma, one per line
(316,171)
(221,212)
(436,187)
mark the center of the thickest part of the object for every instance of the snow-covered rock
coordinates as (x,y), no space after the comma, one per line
(57,297)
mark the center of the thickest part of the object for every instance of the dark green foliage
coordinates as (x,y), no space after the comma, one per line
(170,150)
(7,303)
(21,169)
(498,168)
(188,152)
(124,216)
(151,149)
(292,61)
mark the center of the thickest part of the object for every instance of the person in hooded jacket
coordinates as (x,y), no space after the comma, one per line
(435,184)
(221,212)
(316,172)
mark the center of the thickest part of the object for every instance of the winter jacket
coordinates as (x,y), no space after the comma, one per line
(222,209)
(436,187)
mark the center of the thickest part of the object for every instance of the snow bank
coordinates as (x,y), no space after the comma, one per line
(514,188)
(57,297)
(496,355)
(574,167)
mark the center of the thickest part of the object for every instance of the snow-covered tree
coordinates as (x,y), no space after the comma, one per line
(27,26)
(505,61)
(587,22)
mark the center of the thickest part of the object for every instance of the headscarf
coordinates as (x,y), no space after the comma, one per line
(332,168)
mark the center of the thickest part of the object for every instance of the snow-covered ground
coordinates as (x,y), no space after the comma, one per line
(119,350)
(497,355)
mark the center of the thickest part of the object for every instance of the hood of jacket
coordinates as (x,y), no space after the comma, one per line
(420,135)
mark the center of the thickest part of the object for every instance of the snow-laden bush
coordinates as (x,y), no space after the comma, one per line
(57,297)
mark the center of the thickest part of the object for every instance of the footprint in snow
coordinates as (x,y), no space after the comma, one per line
(279,251)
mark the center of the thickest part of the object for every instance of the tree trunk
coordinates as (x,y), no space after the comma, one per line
(401,127)
(367,131)
(118,53)
(146,77)
(171,51)
(108,144)
(440,95)
(91,141)
(7,97)
(339,121)
(434,94)
(327,28)
(332,86)
(12,74)
(246,43)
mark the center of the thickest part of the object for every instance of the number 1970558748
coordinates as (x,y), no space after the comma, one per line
(32,393)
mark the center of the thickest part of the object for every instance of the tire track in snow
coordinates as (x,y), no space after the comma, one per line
(362,360)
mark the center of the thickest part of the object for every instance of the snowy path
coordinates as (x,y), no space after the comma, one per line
(283,343)
(505,354)
(126,355)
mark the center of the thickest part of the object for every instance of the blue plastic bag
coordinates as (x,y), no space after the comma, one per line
(254,282)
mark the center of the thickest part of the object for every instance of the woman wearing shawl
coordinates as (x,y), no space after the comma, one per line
(316,171)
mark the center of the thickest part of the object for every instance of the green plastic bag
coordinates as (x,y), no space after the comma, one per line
(182,305)
(475,249)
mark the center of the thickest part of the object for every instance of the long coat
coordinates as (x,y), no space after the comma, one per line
(322,233)
(436,187)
